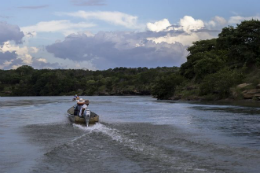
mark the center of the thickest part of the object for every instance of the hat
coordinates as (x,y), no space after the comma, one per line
(80,101)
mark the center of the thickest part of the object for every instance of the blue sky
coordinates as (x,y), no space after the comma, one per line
(102,34)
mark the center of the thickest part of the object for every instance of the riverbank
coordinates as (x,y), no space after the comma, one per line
(245,92)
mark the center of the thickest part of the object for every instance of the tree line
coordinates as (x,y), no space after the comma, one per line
(26,81)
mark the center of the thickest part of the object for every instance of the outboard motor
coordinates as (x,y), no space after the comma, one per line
(87,116)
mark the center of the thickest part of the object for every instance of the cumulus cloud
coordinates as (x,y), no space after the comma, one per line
(159,25)
(189,24)
(184,38)
(220,20)
(115,49)
(187,31)
(238,19)
(88,2)
(217,23)
(13,56)
(10,32)
(64,26)
(7,59)
(42,60)
(22,52)
(116,18)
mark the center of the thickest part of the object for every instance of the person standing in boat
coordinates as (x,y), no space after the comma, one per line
(78,107)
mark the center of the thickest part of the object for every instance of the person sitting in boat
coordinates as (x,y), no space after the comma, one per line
(78,107)
(83,108)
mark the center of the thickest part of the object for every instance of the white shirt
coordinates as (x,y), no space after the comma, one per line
(83,107)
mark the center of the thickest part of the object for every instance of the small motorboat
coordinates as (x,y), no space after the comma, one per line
(92,117)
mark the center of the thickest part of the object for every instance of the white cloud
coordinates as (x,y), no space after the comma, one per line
(186,34)
(63,26)
(216,23)
(238,19)
(184,39)
(220,20)
(189,24)
(159,25)
(23,53)
(186,24)
(13,56)
(116,18)
(42,60)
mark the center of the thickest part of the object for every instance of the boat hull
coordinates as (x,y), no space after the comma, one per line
(80,120)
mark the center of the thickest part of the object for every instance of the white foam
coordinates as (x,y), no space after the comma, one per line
(90,128)
(116,135)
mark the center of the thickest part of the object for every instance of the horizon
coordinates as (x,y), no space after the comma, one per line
(85,69)
(103,34)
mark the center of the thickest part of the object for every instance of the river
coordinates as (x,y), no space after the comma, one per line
(135,134)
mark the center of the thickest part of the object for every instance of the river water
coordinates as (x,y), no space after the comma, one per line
(135,134)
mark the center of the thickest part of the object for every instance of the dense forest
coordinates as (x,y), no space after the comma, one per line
(214,70)
(26,81)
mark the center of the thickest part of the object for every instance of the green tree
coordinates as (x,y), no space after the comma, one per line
(24,70)
(197,51)
(208,64)
(165,87)
(242,43)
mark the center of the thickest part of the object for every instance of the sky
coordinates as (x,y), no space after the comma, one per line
(103,34)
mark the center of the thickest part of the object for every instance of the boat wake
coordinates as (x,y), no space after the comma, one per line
(133,142)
